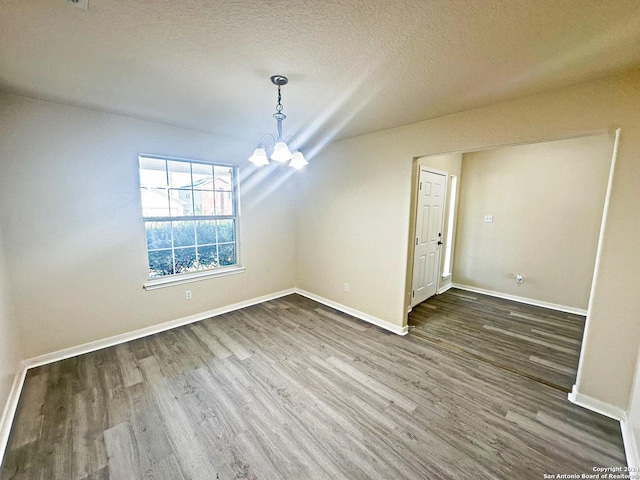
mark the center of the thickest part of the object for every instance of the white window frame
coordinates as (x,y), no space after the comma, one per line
(182,278)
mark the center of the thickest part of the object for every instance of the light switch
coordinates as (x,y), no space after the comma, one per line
(488,218)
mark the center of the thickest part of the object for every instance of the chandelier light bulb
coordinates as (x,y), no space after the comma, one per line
(281,152)
(298,161)
(259,157)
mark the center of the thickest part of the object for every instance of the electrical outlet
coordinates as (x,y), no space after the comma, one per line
(488,218)
(519,278)
(187,294)
(346,287)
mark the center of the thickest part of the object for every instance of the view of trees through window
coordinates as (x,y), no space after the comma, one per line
(189,211)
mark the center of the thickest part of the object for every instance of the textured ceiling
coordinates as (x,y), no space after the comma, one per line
(355,66)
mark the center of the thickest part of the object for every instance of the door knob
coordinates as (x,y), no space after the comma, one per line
(439,242)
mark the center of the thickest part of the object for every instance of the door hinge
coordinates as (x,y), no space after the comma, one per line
(416,240)
(420,185)
(413,293)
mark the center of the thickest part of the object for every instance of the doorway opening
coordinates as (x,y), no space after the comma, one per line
(525,224)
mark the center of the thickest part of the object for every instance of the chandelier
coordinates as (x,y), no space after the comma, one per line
(280,151)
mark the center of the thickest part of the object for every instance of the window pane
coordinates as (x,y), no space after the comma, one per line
(224,203)
(204,203)
(185,259)
(206,231)
(202,176)
(179,174)
(160,263)
(207,257)
(226,231)
(227,254)
(184,234)
(153,173)
(181,202)
(224,178)
(158,235)
(155,202)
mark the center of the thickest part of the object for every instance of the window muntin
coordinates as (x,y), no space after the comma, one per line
(190,214)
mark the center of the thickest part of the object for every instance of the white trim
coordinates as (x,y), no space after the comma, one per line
(586,335)
(171,280)
(630,444)
(355,313)
(445,288)
(143,332)
(9,412)
(595,405)
(528,301)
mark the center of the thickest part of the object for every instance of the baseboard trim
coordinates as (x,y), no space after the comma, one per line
(10,407)
(445,288)
(355,313)
(144,332)
(528,301)
(595,405)
(630,444)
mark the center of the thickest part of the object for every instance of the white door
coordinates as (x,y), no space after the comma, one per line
(428,241)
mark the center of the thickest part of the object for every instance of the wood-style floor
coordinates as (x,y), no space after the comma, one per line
(292,389)
(532,341)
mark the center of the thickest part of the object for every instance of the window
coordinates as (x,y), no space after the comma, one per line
(448,251)
(190,215)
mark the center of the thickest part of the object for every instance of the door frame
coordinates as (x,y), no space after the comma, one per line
(413,216)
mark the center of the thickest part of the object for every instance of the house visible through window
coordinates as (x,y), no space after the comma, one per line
(190,215)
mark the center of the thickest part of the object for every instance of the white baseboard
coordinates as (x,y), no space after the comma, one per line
(144,332)
(10,407)
(595,405)
(628,437)
(445,288)
(355,313)
(528,301)
(630,444)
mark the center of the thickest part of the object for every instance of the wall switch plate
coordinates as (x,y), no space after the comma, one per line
(488,218)
(346,287)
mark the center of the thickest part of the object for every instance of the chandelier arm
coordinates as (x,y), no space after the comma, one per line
(288,139)
(273,139)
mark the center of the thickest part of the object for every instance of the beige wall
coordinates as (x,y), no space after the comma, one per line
(547,201)
(354,203)
(10,358)
(451,164)
(74,237)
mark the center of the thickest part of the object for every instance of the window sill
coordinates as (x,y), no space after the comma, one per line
(190,277)
(446,275)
